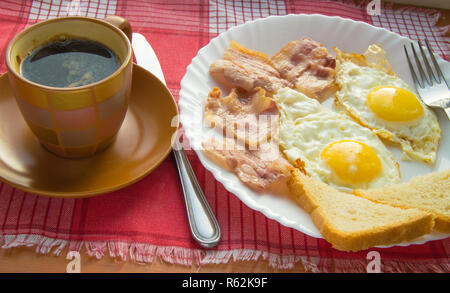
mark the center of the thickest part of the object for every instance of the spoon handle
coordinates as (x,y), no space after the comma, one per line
(204,226)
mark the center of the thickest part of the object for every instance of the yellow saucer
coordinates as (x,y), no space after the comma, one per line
(142,143)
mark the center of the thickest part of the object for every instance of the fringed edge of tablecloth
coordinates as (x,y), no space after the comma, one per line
(147,253)
(327,265)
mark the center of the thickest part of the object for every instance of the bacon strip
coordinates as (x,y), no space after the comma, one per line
(250,147)
(308,65)
(251,120)
(258,169)
(246,69)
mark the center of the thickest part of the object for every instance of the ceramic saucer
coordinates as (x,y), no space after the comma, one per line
(142,143)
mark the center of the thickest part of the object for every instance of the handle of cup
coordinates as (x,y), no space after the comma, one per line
(120,23)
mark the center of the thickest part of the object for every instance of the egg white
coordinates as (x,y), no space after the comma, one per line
(419,138)
(307,127)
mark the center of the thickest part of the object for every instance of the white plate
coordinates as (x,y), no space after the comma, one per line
(269,35)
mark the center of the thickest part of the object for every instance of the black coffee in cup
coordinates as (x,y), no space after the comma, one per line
(69,63)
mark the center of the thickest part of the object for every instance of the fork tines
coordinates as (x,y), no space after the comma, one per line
(426,78)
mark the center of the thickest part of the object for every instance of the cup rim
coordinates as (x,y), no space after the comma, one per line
(124,64)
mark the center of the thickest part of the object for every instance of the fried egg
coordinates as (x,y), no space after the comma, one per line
(377,98)
(330,146)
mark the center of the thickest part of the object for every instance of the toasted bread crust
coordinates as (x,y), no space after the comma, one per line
(305,190)
(402,231)
(434,187)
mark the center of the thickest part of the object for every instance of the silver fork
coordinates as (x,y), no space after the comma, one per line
(431,86)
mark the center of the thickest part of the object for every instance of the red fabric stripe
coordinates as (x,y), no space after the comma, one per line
(45,215)
(7,217)
(3,203)
(268,242)
(20,207)
(242,225)
(11,25)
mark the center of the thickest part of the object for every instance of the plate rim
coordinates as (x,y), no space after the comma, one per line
(206,164)
(101,191)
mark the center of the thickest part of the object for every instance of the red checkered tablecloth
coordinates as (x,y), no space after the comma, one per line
(147,220)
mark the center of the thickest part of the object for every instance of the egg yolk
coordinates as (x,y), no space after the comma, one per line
(351,161)
(394,104)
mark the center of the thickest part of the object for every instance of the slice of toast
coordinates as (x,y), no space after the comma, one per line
(430,193)
(352,223)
